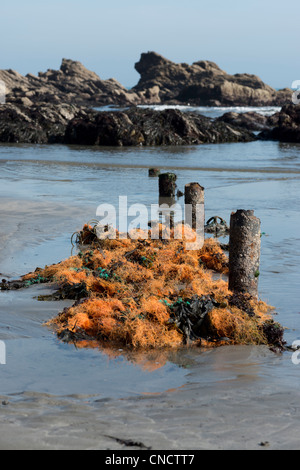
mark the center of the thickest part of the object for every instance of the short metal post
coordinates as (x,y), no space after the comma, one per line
(153,172)
(244,252)
(167,185)
(194,195)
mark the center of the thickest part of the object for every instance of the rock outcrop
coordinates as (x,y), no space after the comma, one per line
(68,124)
(146,127)
(203,84)
(287,128)
(33,124)
(71,84)
(162,82)
(250,120)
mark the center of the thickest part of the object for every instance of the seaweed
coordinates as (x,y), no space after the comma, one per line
(217,226)
(188,315)
(243,302)
(274,334)
(151,294)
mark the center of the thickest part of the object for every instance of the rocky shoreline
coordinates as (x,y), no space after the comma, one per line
(134,126)
(58,106)
(146,127)
(67,124)
(161,82)
(287,127)
(202,84)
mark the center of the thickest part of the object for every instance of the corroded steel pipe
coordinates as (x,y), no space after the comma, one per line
(244,252)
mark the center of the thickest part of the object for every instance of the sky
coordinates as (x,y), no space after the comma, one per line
(256,36)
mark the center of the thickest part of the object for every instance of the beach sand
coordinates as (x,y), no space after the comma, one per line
(234,414)
(56,397)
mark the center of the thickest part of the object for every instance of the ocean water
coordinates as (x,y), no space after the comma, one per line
(49,192)
(208,111)
(217,111)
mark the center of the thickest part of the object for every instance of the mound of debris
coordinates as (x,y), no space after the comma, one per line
(141,294)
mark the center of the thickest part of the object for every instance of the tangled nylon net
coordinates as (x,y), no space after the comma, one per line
(145,294)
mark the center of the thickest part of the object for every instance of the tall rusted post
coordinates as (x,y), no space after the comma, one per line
(166,211)
(244,252)
(167,185)
(194,195)
(195,213)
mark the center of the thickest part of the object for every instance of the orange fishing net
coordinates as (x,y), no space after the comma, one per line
(139,293)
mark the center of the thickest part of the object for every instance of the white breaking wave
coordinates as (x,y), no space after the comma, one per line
(208,111)
(217,111)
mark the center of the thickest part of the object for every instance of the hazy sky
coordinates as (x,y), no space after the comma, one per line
(255,36)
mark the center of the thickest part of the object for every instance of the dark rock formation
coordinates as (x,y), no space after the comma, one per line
(35,124)
(146,127)
(203,84)
(72,125)
(251,120)
(287,128)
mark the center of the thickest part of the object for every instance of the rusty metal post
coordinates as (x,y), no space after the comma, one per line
(166,211)
(153,172)
(194,195)
(244,252)
(167,185)
(194,209)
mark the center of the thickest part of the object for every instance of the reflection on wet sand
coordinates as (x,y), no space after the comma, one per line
(233,397)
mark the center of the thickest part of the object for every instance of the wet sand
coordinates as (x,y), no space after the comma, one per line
(240,412)
(54,396)
(170,421)
(221,399)
(27,234)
